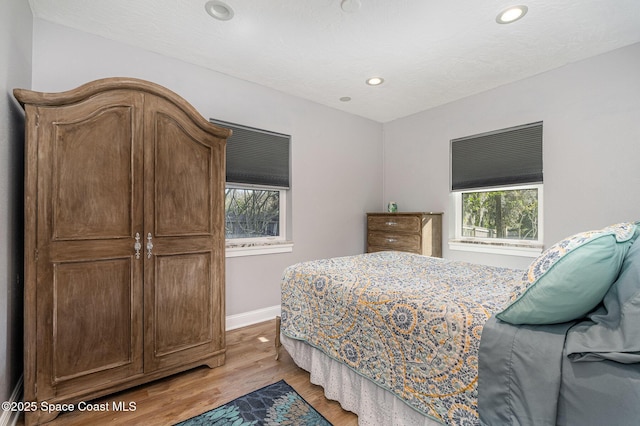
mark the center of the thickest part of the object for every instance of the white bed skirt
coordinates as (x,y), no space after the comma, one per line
(374,405)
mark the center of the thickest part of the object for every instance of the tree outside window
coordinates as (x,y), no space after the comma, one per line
(252,213)
(504,214)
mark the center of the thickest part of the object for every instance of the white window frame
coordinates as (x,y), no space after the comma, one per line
(236,247)
(504,246)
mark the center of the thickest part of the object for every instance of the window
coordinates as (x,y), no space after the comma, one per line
(512,214)
(254,213)
(257,175)
(496,182)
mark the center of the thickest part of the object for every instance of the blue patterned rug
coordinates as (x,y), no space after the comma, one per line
(276,404)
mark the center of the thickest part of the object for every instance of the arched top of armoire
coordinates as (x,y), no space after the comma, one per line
(87,90)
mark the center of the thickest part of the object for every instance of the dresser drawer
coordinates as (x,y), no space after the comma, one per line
(379,241)
(388,223)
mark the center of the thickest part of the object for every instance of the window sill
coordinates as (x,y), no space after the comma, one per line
(504,248)
(257,248)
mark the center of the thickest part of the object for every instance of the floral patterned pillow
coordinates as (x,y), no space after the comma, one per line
(570,278)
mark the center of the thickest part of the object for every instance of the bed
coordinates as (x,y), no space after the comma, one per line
(405,339)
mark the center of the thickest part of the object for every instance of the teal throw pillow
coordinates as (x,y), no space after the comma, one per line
(570,278)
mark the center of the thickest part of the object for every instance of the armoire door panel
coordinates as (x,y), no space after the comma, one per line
(93,306)
(92,175)
(182,164)
(183,302)
(184,320)
(184,212)
(89,205)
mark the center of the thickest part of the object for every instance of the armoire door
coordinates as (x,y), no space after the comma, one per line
(184,222)
(89,205)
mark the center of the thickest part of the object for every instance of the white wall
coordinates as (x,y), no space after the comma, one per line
(591,114)
(336,157)
(15,71)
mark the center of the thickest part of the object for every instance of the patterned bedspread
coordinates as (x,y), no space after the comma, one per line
(410,323)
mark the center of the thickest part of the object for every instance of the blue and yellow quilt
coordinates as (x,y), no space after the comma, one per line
(409,323)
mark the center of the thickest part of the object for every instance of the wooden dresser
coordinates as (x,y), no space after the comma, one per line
(415,232)
(124,240)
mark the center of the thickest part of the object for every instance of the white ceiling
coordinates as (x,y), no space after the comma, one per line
(429,52)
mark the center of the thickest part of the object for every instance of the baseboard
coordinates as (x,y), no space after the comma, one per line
(10,418)
(252,317)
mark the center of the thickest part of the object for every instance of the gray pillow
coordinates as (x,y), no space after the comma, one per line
(612,331)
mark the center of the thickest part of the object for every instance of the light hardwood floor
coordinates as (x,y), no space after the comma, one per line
(250,365)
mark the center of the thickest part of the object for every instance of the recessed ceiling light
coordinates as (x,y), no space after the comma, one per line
(511,14)
(350,6)
(345,99)
(375,81)
(219,10)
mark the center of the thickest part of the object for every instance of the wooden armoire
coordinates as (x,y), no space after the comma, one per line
(124,240)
